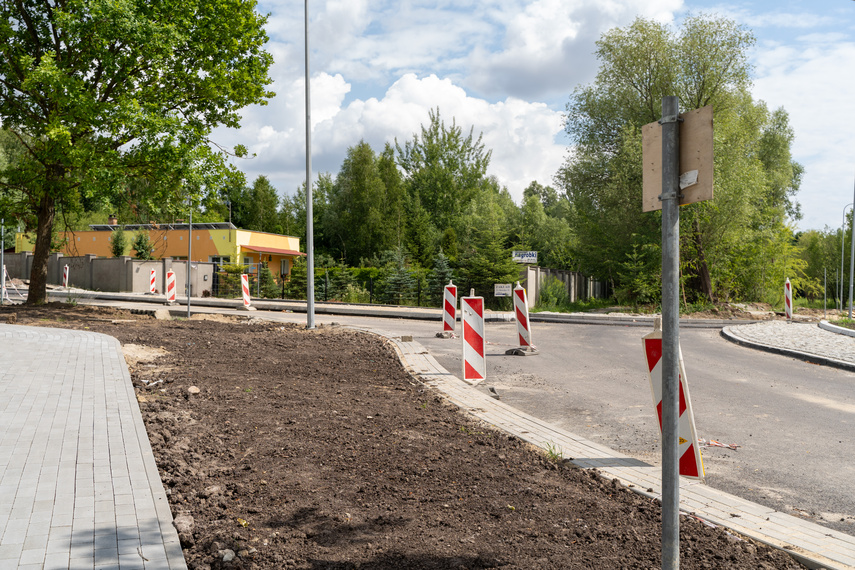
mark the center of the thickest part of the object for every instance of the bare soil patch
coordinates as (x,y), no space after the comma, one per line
(316,450)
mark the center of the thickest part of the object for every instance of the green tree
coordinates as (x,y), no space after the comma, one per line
(355,219)
(263,207)
(142,245)
(399,283)
(485,259)
(118,242)
(704,63)
(100,91)
(444,168)
(438,278)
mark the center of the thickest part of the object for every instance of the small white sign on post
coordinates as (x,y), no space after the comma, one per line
(502,290)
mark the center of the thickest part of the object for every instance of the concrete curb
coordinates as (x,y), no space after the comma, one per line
(825,325)
(730,335)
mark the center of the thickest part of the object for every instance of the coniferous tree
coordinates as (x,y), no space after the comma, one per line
(439,277)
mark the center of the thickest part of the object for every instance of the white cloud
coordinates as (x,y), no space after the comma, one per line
(811,80)
(548,45)
(522,135)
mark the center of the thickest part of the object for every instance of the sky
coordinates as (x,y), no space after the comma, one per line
(506,68)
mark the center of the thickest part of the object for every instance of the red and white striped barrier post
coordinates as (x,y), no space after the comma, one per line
(788,299)
(152,281)
(170,287)
(521,312)
(689,452)
(244,285)
(65,276)
(474,343)
(449,308)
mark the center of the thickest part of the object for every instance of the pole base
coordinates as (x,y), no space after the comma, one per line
(522,351)
(171,304)
(246,308)
(445,334)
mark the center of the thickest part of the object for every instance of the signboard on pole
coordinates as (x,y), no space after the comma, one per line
(502,289)
(696,159)
(525,257)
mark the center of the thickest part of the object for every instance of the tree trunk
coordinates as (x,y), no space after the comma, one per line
(703,270)
(38,275)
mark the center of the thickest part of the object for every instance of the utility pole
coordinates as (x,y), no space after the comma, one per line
(310,237)
(670,331)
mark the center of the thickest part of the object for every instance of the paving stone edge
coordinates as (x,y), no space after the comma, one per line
(734,337)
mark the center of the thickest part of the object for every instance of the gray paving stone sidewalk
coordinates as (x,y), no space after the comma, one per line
(79,487)
(802,340)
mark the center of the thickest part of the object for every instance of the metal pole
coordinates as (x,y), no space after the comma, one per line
(852,257)
(824,292)
(670,332)
(189,254)
(3,260)
(310,238)
(842,244)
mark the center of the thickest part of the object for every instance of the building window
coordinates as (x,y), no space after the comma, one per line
(220,259)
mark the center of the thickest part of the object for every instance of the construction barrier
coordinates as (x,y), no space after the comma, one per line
(65,276)
(170,286)
(244,282)
(152,282)
(474,343)
(449,308)
(689,452)
(521,312)
(788,299)
(7,282)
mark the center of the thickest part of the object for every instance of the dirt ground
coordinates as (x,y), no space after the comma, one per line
(286,448)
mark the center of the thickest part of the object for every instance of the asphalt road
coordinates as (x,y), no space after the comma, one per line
(793,421)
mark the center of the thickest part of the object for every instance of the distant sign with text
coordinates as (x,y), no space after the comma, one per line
(502,289)
(525,256)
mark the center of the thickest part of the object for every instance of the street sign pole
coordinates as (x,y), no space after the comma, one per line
(670,332)
(310,231)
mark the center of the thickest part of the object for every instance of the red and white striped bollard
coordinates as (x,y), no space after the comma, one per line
(152,282)
(65,276)
(449,308)
(474,342)
(244,283)
(521,312)
(689,452)
(788,299)
(170,287)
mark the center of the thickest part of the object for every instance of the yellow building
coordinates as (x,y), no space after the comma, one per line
(219,242)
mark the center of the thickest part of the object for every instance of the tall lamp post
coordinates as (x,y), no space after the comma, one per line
(189,251)
(852,259)
(842,244)
(310,239)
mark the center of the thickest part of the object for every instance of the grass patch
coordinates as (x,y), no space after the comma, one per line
(845,323)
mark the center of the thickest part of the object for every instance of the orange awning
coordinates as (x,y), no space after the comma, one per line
(274,250)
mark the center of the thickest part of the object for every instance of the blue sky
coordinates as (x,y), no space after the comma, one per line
(507,68)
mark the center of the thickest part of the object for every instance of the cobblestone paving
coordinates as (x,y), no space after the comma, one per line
(806,338)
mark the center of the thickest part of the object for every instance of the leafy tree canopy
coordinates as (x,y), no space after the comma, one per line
(705,62)
(99,91)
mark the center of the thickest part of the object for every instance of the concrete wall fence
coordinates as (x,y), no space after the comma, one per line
(116,274)
(578,286)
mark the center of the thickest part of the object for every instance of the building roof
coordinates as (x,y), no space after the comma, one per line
(275,250)
(167,226)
